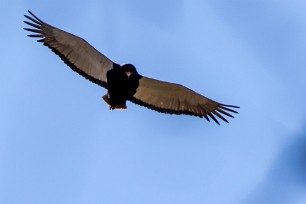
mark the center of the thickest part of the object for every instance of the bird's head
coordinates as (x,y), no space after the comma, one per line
(129,69)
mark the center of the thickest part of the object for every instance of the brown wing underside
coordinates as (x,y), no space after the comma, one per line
(176,99)
(79,55)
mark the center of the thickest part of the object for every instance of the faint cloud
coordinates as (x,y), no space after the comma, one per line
(286,181)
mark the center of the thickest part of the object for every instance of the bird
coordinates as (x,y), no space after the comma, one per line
(122,81)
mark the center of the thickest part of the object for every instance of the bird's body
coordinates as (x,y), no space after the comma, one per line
(123,81)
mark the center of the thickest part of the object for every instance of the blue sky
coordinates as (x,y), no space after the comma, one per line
(59,143)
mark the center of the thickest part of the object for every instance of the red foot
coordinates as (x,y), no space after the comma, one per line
(105,98)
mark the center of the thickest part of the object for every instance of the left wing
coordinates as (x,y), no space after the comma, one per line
(79,55)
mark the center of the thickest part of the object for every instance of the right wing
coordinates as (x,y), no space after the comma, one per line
(173,98)
(79,55)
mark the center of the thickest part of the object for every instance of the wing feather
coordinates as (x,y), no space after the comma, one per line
(176,99)
(79,55)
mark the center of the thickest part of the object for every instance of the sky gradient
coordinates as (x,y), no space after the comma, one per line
(59,143)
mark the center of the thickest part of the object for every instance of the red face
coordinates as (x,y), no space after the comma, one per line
(129,69)
(128,73)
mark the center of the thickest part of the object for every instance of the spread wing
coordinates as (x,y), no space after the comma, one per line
(79,55)
(176,99)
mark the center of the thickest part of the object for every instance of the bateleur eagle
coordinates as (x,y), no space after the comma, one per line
(123,82)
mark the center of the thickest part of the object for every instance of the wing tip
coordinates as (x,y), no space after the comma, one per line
(222,110)
(33,18)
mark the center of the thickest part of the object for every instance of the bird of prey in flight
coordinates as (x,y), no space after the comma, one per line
(123,82)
